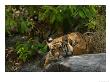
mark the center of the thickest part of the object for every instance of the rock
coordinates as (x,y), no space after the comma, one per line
(56,67)
(31,66)
(82,63)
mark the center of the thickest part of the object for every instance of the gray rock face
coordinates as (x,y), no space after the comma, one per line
(83,63)
(30,67)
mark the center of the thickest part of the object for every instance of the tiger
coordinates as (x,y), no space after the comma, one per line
(70,44)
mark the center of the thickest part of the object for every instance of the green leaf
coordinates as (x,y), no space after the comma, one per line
(87,12)
(81,14)
(52,19)
(24,27)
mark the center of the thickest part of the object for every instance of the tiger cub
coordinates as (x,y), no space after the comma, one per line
(70,44)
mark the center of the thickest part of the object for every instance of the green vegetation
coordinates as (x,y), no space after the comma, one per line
(68,17)
(26,50)
(34,20)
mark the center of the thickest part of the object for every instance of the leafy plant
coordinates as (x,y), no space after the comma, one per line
(23,51)
(67,16)
(17,18)
(26,50)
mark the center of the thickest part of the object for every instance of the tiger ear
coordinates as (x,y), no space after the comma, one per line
(48,42)
(50,39)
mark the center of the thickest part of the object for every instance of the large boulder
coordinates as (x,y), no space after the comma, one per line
(83,63)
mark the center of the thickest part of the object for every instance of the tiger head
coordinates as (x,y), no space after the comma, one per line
(57,50)
(54,52)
